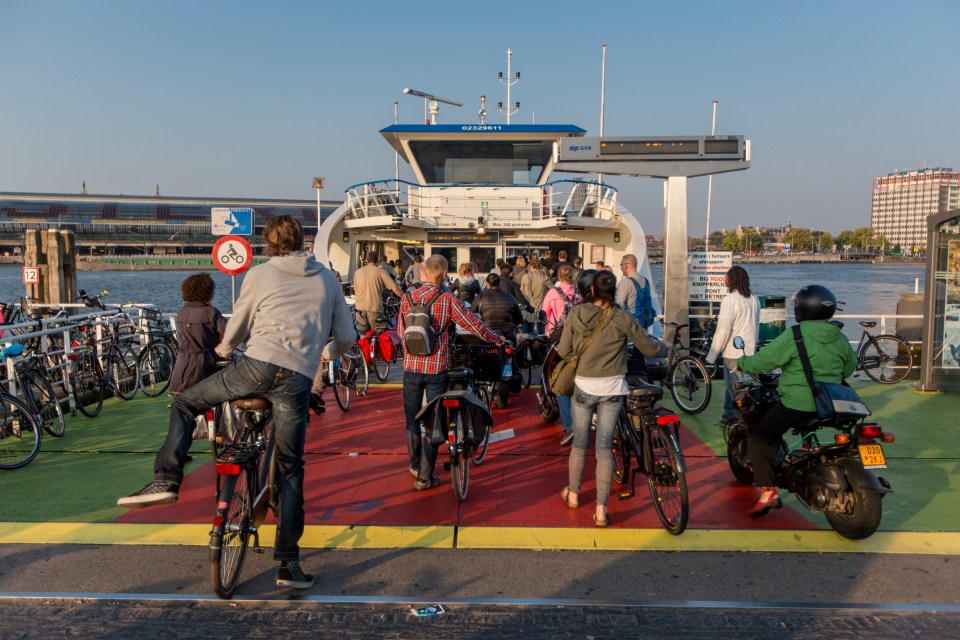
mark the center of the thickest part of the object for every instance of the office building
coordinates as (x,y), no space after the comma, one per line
(902,201)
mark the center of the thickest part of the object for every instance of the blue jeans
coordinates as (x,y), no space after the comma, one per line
(729,377)
(422,455)
(607,409)
(289,392)
(563,404)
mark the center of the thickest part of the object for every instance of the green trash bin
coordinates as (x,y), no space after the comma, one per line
(773,317)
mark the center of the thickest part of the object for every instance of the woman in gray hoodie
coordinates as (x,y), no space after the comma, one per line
(600,383)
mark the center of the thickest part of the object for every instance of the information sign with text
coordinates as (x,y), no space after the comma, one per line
(237,222)
(707,275)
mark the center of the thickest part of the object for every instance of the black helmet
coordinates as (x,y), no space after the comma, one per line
(813,302)
(585,284)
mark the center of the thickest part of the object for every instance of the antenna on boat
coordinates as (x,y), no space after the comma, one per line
(509,81)
(434,102)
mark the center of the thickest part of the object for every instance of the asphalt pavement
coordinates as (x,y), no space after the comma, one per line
(163,591)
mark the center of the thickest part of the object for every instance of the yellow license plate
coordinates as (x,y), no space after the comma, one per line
(871,455)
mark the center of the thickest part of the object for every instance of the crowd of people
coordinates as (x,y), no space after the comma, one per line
(293,318)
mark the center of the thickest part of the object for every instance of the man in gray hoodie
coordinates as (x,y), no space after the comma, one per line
(287,310)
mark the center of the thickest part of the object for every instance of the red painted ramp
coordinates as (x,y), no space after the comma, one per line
(357,474)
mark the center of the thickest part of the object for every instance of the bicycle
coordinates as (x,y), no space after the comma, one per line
(247,476)
(376,353)
(462,445)
(20,432)
(36,390)
(651,435)
(347,373)
(90,381)
(885,358)
(700,346)
(687,377)
(157,358)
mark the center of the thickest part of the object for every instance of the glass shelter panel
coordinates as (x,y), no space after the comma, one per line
(946,335)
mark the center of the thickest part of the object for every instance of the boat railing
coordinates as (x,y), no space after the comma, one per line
(558,200)
(886,323)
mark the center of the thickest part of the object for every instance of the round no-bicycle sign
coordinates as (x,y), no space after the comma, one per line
(232,255)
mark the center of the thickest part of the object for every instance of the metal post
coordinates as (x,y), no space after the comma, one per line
(713,132)
(675,282)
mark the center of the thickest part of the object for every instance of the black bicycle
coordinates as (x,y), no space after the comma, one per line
(90,380)
(247,477)
(35,389)
(687,377)
(650,436)
(464,444)
(886,358)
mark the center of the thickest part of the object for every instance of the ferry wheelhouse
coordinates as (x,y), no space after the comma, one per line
(482,192)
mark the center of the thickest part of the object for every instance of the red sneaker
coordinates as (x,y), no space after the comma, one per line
(768,500)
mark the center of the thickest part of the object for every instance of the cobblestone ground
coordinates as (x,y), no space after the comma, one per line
(35,618)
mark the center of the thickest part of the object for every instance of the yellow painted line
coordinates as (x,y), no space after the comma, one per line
(314,536)
(766,540)
(441,537)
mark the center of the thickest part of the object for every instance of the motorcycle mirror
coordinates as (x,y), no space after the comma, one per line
(738,342)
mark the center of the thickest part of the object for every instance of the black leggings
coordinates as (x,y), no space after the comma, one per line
(764,441)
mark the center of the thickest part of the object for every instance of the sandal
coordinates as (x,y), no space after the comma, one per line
(565,496)
(601,523)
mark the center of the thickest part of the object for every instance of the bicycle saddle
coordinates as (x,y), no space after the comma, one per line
(868,325)
(251,404)
(644,390)
(459,373)
(12,351)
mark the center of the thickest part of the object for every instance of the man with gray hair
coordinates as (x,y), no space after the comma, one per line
(428,373)
(633,292)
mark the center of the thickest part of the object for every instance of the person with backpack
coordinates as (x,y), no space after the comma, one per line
(559,300)
(633,292)
(425,318)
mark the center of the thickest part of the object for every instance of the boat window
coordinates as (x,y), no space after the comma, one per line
(484,258)
(481,162)
(450,253)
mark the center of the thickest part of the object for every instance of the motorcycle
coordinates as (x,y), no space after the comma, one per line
(835,478)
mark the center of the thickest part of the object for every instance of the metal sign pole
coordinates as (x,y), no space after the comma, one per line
(233,294)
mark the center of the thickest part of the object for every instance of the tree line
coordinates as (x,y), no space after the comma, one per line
(750,240)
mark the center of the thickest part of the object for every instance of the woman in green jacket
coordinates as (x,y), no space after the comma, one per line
(831,359)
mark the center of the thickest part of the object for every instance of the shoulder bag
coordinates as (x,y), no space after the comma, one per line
(563,375)
(833,401)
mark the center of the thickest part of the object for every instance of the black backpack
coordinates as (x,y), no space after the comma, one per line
(419,336)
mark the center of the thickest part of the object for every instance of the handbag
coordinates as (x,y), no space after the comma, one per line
(832,400)
(563,375)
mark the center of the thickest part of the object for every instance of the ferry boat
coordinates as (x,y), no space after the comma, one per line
(481,192)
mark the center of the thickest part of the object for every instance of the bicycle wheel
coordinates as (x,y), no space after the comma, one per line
(86,384)
(46,403)
(668,479)
(20,434)
(621,452)
(381,366)
(481,451)
(126,376)
(341,389)
(231,532)
(460,464)
(690,385)
(155,366)
(362,382)
(886,359)
(483,393)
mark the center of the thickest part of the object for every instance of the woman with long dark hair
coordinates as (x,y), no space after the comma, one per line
(739,316)
(600,382)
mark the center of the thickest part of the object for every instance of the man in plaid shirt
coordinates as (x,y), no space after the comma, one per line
(429,373)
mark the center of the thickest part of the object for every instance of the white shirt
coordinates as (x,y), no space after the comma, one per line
(739,316)
(609,386)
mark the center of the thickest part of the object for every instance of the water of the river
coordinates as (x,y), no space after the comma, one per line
(868,289)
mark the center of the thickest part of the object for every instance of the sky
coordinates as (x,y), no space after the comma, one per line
(253,99)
